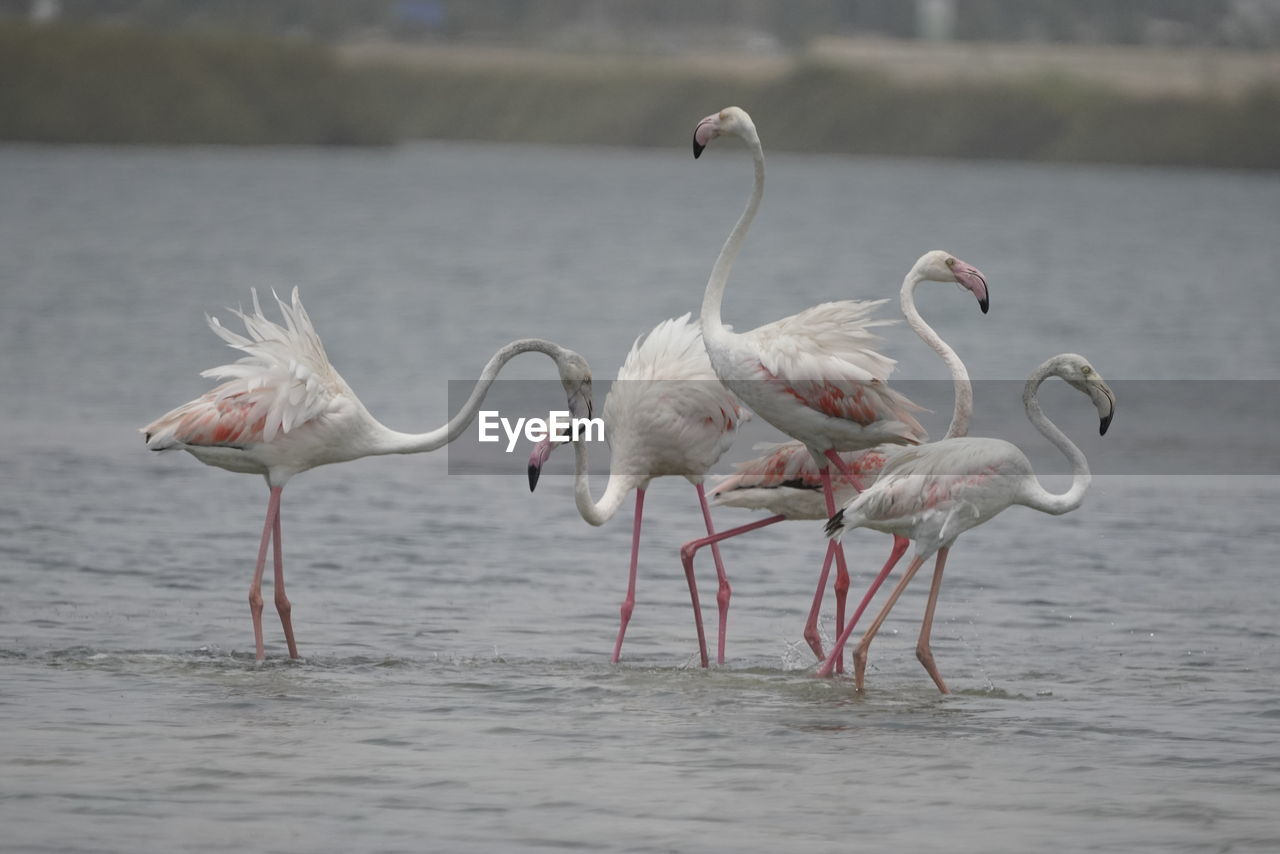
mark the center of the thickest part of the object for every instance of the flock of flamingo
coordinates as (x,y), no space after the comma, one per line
(683,391)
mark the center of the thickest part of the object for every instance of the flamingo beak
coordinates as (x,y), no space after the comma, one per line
(536,460)
(707,130)
(1105,400)
(974,281)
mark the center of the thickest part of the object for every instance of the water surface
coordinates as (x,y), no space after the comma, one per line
(1114,669)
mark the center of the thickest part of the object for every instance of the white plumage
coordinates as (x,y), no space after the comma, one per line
(666,415)
(934,493)
(284,409)
(815,375)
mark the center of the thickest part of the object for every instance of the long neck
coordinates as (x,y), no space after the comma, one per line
(393,442)
(712,325)
(1037,496)
(963,409)
(615,491)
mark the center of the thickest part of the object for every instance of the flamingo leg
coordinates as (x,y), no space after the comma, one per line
(629,604)
(923,652)
(697,606)
(811,624)
(283,606)
(725,592)
(837,549)
(860,651)
(687,552)
(255,587)
(899,549)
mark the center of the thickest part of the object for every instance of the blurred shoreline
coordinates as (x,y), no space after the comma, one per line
(1200,107)
(1135,70)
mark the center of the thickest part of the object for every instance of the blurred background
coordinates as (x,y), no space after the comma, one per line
(1177,82)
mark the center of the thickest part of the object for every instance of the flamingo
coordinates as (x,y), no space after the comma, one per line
(666,415)
(285,409)
(934,493)
(786,481)
(813,375)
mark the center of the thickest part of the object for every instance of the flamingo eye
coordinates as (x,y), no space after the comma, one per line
(951,262)
(1086,370)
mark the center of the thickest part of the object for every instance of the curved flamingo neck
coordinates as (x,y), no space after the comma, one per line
(387,441)
(962,411)
(1037,496)
(712,326)
(615,491)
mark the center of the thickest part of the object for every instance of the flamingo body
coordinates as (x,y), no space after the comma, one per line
(934,493)
(284,409)
(666,415)
(815,375)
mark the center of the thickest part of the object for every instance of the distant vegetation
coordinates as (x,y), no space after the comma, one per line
(118,86)
(113,85)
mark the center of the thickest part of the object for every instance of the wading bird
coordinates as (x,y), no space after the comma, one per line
(667,414)
(787,482)
(284,409)
(814,375)
(934,493)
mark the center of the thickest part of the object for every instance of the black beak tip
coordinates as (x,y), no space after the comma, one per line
(1104,424)
(697,149)
(534,472)
(984,304)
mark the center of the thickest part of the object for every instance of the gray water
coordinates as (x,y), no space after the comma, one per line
(1114,669)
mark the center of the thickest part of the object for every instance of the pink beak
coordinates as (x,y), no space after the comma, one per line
(707,130)
(541,451)
(969,277)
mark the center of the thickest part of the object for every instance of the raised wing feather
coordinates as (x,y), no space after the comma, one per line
(826,357)
(283,381)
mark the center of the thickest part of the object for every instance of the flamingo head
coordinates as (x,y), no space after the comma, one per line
(1085,378)
(730,120)
(575,377)
(939,266)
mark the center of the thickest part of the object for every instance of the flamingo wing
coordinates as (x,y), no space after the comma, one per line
(284,381)
(948,477)
(825,357)
(789,464)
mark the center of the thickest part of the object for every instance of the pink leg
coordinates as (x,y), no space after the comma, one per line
(687,552)
(842,569)
(725,592)
(255,587)
(629,604)
(283,606)
(834,660)
(811,625)
(697,610)
(860,651)
(923,652)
